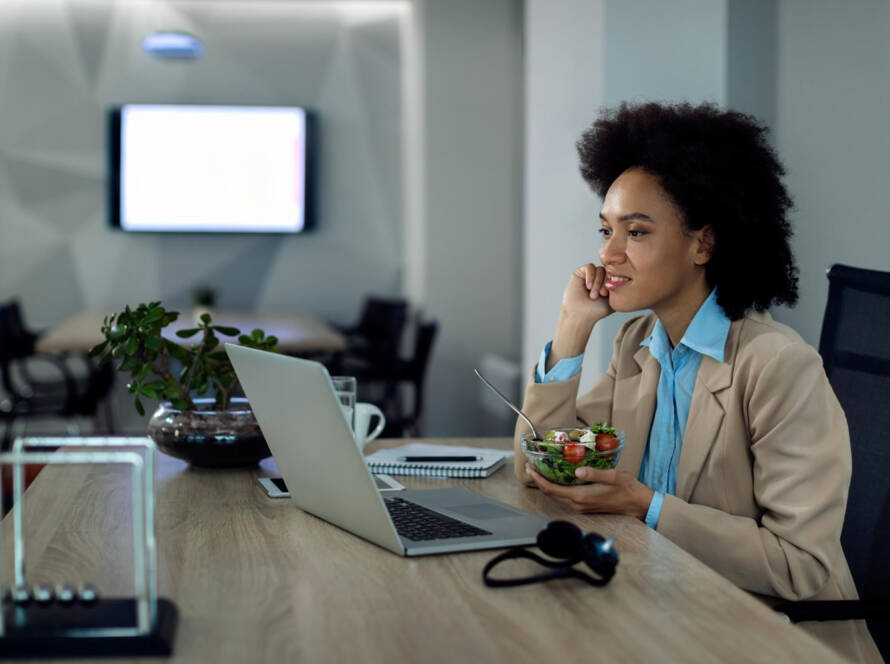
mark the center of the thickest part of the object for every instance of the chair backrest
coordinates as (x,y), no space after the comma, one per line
(15,339)
(382,322)
(416,367)
(856,353)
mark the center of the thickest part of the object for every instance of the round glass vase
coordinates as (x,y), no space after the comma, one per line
(209,437)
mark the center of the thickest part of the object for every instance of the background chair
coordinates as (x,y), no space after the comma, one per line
(411,374)
(376,337)
(856,354)
(398,388)
(44,384)
(372,352)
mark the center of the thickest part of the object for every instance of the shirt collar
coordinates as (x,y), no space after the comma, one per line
(706,333)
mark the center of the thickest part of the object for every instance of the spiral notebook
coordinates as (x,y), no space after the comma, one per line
(390,461)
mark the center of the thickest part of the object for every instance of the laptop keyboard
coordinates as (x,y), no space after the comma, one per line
(420,524)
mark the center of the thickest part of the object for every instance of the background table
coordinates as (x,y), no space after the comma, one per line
(297,333)
(257,580)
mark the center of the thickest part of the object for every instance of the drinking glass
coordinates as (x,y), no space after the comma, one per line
(345,387)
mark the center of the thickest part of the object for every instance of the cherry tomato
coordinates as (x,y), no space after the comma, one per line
(605,442)
(574,452)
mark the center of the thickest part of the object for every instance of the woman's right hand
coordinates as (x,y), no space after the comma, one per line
(586,297)
(585,301)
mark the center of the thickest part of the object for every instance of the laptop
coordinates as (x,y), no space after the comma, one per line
(298,411)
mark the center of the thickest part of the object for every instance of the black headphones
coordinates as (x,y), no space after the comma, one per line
(566,543)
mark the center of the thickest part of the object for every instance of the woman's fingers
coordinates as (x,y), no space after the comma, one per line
(589,274)
(595,280)
(599,288)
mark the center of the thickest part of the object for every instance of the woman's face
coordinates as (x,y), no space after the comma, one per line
(651,259)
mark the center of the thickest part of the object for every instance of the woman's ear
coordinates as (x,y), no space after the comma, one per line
(705,245)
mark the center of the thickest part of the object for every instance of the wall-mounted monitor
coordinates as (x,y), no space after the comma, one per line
(212,169)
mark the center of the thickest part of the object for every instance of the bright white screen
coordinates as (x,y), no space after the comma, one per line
(213,168)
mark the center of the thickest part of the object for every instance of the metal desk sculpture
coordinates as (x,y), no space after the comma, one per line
(62,620)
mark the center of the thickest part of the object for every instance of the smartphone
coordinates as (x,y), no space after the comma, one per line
(276,488)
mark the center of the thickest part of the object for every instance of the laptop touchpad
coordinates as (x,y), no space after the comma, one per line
(483,511)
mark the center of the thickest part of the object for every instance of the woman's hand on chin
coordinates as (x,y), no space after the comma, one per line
(585,301)
(613,492)
(586,296)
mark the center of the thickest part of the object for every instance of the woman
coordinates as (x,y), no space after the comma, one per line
(736,447)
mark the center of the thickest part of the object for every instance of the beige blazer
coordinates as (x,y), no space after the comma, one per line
(764,469)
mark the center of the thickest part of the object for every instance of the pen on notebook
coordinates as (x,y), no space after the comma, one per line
(439,458)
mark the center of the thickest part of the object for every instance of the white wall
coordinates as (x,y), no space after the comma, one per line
(472,226)
(564,85)
(833,136)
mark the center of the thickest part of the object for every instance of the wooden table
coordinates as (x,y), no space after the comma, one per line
(257,580)
(297,333)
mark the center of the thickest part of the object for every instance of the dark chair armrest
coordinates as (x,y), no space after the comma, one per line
(343,329)
(32,386)
(849,609)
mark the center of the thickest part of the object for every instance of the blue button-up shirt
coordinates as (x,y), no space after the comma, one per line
(706,335)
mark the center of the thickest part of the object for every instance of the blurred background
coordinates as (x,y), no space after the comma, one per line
(445,175)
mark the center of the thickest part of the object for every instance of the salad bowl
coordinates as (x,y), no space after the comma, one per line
(563,450)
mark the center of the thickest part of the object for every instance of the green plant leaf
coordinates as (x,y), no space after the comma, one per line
(179,404)
(154,315)
(153,342)
(117,352)
(131,386)
(139,408)
(131,363)
(257,334)
(219,356)
(132,345)
(145,390)
(98,348)
(210,343)
(143,372)
(176,351)
(205,318)
(185,334)
(244,340)
(226,330)
(272,341)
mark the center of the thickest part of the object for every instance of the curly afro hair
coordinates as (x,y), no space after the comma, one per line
(719,170)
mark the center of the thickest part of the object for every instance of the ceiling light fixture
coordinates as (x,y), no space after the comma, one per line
(170,44)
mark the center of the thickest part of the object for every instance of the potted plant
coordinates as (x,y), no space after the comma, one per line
(216,430)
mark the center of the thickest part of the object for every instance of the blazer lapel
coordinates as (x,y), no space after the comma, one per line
(705,416)
(638,396)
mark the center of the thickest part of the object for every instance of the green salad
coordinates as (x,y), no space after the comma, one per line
(563,450)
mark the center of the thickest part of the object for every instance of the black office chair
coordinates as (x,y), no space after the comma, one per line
(377,335)
(39,385)
(856,354)
(412,373)
(383,385)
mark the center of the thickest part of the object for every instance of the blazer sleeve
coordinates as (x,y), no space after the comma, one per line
(801,476)
(551,405)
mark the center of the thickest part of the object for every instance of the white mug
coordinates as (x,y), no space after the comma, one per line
(363,414)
